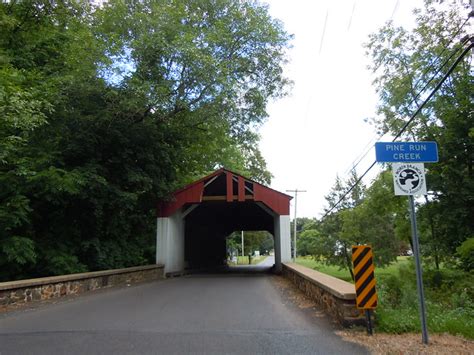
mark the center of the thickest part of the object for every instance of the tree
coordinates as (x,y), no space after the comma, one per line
(333,246)
(404,61)
(370,215)
(109,108)
(209,67)
(379,220)
(34,60)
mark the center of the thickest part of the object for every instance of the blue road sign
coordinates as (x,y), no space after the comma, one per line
(406,152)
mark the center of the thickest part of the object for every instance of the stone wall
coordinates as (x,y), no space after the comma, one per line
(24,291)
(336,297)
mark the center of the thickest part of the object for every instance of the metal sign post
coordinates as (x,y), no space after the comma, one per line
(409,180)
(294,221)
(368,319)
(419,271)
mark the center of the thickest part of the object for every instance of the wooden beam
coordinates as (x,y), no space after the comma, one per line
(229,185)
(241,183)
(224,198)
(214,198)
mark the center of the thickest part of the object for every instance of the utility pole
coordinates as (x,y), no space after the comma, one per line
(294,221)
(243,243)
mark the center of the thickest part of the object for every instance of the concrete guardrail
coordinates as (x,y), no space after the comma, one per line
(44,288)
(335,296)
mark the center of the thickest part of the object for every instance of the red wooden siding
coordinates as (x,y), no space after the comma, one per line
(230,192)
(241,189)
(278,202)
(193,193)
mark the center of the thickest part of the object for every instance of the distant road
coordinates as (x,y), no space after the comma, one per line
(269,261)
(197,314)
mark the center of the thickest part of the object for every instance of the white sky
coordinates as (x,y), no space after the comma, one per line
(319,130)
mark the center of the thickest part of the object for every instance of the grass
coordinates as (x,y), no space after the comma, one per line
(244,260)
(448,296)
(344,274)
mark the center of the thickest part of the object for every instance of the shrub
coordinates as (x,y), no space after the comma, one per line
(390,290)
(466,254)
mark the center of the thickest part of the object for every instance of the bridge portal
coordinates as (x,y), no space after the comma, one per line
(193,225)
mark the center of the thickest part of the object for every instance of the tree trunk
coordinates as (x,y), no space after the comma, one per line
(348,262)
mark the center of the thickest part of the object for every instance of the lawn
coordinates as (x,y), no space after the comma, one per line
(343,274)
(448,296)
(326,269)
(244,260)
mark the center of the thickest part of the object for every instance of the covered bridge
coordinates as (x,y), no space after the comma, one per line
(194,223)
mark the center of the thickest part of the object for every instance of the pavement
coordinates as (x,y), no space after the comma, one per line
(238,312)
(268,261)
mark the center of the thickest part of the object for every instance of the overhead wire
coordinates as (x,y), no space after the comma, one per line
(433,62)
(355,163)
(324,32)
(413,116)
(395,9)
(366,150)
(352,15)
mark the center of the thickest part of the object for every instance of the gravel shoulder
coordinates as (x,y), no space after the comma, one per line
(382,343)
(409,343)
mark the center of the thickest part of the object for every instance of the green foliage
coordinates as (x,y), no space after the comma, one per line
(19,250)
(371,216)
(261,241)
(206,66)
(106,109)
(449,295)
(403,62)
(62,263)
(449,303)
(466,254)
(16,253)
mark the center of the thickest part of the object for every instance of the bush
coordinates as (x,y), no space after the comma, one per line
(448,298)
(390,290)
(466,254)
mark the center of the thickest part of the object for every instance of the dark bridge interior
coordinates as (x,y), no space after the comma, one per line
(211,209)
(207,227)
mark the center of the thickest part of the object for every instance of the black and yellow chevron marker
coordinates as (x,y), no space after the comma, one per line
(362,259)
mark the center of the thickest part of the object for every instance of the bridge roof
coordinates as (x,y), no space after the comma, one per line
(225,186)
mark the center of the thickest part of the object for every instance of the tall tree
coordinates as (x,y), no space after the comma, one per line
(35,61)
(334,246)
(208,67)
(109,108)
(404,62)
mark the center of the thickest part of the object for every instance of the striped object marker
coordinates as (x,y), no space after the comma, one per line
(362,259)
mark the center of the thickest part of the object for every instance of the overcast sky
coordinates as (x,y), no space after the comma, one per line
(318,131)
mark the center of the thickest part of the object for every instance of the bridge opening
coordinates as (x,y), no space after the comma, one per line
(259,245)
(194,225)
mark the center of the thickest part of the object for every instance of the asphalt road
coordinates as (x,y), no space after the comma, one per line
(199,314)
(268,261)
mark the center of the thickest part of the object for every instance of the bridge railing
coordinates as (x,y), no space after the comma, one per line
(337,297)
(16,293)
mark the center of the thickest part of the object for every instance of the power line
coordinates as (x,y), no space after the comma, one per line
(438,86)
(366,150)
(324,31)
(352,15)
(395,9)
(368,147)
(463,41)
(433,62)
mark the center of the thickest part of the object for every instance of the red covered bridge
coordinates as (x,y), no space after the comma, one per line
(194,224)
